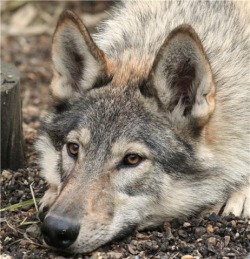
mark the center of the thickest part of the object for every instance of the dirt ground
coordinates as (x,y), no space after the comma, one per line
(26,33)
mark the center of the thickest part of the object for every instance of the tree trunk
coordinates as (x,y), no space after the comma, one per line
(12,152)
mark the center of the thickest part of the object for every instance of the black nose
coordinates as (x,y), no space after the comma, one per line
(59,232)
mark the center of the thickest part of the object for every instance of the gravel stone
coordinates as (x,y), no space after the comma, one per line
(210,229)
(186,224)
(187,257)
(199,231)
(227,240)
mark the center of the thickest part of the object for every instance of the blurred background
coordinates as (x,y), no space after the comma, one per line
(26,34)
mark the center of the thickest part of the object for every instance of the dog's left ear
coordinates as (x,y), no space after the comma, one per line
(78,62)
(182,77)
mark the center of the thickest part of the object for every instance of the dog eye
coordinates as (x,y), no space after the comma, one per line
(132,159)
(73,149)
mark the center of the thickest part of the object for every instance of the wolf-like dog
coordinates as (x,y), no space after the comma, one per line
(150,120)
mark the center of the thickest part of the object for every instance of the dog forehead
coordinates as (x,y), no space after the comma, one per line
(111,116)
(111,107)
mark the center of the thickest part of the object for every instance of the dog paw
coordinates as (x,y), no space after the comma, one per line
(239,203)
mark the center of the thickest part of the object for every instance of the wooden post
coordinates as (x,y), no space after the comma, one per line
(12,149)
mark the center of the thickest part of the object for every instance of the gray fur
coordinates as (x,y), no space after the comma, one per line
(193,142)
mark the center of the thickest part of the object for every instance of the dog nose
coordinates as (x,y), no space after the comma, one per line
(59,232)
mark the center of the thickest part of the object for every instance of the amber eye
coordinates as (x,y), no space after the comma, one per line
(132,159)
(73,149)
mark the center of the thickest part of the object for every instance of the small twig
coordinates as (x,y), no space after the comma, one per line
(12,227)
(23,221)
(31,241)
(29,223)
(174,256)
(34,198)
(28,240)
(14,242)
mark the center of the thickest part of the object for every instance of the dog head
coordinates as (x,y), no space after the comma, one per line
(121,154)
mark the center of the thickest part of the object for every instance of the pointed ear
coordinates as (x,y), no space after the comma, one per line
(182,77)
(78,63)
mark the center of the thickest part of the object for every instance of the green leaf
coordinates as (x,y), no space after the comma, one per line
(20,204)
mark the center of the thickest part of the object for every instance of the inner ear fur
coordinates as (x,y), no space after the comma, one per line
(78,62)
(182,76)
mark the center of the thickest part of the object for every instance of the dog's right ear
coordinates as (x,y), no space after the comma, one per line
(78,62)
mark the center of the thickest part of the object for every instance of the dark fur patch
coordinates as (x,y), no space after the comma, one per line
(147,89)
(182,83)
(43,213)
(74,63)
(125,231)
(61,107)
(102,80)
(60,126)
(144,187)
